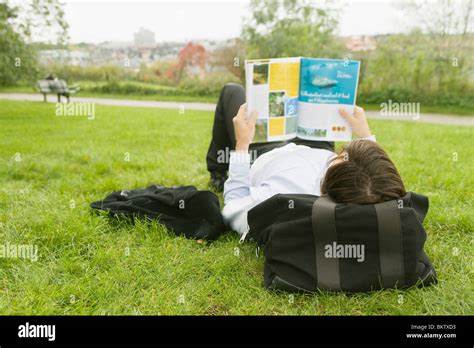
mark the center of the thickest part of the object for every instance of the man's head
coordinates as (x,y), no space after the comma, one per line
(362,173)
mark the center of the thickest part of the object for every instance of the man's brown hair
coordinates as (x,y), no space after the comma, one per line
(365,175)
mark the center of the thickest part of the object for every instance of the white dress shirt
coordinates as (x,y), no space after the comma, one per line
(288,169)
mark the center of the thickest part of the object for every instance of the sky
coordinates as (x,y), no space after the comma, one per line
(98,21)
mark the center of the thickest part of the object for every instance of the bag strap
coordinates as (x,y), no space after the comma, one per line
(390,244)
(389,236)
(324,232)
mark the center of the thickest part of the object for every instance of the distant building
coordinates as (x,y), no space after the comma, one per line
(360,43)
(63,56)
(195,58)
(144,37)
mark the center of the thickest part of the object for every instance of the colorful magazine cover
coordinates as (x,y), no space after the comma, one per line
(301,97)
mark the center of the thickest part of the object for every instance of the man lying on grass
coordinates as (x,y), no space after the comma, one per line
(361,173)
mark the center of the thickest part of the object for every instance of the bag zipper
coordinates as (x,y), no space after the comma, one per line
(244,235)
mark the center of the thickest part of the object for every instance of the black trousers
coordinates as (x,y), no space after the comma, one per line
(231,98)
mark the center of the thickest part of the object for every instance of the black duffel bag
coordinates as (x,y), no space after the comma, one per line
(312,243)
(185,210)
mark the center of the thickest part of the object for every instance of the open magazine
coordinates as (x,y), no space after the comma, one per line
(300,97)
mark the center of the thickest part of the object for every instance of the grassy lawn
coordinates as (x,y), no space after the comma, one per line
(89,266)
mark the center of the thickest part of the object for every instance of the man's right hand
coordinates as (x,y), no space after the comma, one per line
(357,121)
(244,128)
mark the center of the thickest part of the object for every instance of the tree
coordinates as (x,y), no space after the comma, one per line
(19,24)
(291,28)
(417,67)
(438,51)
(441,17)
(231,57)
(192,55)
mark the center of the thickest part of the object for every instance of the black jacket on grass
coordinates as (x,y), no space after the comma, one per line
(300,234)
(184,209)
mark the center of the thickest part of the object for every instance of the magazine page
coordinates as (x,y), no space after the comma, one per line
(272,87)
(326,85)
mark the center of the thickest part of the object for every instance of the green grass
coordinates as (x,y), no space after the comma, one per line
(84,268)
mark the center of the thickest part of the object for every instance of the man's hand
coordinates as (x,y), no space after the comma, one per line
(357,121)
(244,128)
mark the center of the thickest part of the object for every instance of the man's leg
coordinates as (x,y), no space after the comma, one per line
(223,138)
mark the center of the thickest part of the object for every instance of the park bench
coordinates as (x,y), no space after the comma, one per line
(58,87)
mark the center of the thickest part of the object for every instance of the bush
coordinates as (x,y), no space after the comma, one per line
(156,73)
(418,68)
(74,73)
(402,95)
(130,87)
(207,86)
